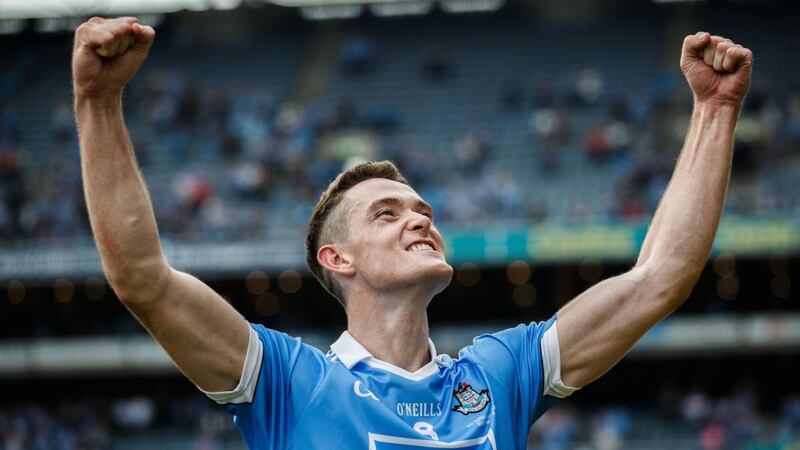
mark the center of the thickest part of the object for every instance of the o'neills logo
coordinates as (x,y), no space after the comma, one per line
(469,400)
(415,409)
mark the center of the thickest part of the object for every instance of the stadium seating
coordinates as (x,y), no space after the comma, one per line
(408,111)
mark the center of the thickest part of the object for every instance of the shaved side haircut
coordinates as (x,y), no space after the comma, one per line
(328,223)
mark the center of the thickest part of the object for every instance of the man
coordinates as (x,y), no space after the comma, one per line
(372,243)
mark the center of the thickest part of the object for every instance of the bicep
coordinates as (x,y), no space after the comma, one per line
(597,328)
(203,334)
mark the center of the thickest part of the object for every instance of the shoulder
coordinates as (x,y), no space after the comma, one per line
(271,355)
(523,338)
(517,356)
(277,345)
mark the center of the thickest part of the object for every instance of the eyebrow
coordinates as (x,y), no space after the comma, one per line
(394,201)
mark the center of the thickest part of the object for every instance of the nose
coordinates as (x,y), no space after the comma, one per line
(418,222)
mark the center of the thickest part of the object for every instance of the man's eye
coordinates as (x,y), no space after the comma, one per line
(384,212)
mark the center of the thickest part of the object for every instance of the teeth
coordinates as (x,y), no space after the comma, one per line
(420,247)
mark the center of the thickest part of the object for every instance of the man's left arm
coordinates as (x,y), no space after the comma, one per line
(597,328)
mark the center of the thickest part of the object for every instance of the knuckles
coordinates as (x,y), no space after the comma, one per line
(101,32)
(110,26)
(717,52)
(83,29)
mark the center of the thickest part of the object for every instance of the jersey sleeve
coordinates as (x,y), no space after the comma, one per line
(526,359)
(278,378)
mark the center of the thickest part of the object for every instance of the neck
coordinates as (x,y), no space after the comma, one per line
(394,330)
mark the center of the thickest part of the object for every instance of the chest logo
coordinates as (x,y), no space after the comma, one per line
(470,400)
(362,391)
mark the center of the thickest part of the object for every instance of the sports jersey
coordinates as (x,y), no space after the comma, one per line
(292,396)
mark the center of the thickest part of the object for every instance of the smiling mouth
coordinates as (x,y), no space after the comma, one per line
(421,247)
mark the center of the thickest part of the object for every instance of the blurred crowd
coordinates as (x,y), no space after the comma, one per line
(140,422)
(637,137)
(44,203)
(690,420)
(225,163)
(686,420)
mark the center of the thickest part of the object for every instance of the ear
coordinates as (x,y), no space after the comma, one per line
(333,258)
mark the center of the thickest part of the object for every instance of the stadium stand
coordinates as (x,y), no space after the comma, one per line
(499,120)
(602,126)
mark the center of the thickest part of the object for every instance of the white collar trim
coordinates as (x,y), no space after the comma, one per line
(350,352)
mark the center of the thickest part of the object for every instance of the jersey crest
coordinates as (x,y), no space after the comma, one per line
(470,400)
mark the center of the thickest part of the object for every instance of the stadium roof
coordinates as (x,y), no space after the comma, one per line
(43,9)
(30,9)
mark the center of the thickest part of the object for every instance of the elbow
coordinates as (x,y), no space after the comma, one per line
(126,292)
(670,282)
(676,295)
(138,285)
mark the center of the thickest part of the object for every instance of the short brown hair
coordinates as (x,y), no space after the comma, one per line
(322,231)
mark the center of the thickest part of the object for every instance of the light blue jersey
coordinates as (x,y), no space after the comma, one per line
(292,396)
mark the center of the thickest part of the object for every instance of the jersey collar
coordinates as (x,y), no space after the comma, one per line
(350,352)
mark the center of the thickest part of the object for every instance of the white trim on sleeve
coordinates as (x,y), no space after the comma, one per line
(243,393)
(551,365)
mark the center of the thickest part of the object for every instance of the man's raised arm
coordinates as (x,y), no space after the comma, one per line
(598,327)
(202,333)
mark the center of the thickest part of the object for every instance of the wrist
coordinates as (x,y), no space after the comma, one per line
(707,113)
(105,100)
(722,105)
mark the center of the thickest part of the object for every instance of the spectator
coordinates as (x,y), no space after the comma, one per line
(63,124)
(9,125)
(597,147)
(437,65)
(550,130)
(471,150)
(587,88)
(12,195)
(358,54)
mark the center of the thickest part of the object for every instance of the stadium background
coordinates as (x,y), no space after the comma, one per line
(543,135)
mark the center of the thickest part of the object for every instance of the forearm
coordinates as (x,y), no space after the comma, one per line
(672,256)
(120,210)
(680,237)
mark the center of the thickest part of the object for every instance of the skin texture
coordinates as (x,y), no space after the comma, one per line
(388,287)
(202,333)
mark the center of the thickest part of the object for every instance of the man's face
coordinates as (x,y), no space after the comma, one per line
(391,238)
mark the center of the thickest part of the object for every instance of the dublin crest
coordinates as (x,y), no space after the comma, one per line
(470,400)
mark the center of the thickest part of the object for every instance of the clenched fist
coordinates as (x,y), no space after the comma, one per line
(107,54)
(718,70)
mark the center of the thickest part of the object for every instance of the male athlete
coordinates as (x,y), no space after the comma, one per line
(373,245)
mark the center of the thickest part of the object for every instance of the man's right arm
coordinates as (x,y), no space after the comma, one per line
(203,334)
